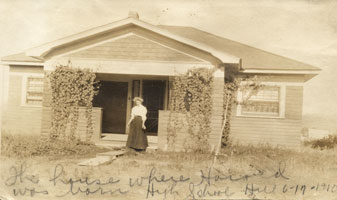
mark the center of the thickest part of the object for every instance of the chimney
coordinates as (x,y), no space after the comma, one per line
(133,14)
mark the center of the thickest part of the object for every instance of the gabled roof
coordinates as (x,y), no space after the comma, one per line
(227,51)
(42,50)
(252,58)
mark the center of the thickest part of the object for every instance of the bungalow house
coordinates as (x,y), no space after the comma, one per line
(134,58)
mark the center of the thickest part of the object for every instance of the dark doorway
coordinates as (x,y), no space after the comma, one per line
(153,95)
(112,98)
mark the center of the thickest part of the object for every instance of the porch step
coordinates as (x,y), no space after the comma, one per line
(124,137)
(120,144)
(111,143)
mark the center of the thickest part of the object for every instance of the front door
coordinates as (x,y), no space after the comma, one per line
(153,93)
(112,98)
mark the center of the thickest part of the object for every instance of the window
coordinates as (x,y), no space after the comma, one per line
(267,101)
(32,90)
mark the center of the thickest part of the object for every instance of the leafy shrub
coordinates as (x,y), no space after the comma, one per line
(329,142)
(27,146)
(191,96)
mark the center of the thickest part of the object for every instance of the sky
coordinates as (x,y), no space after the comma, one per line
(305,30)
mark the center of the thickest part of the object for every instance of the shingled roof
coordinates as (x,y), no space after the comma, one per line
(252,58)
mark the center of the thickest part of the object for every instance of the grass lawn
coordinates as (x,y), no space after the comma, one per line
(242,172)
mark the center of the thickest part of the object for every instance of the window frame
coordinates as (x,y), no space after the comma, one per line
(24,90)
(282,99)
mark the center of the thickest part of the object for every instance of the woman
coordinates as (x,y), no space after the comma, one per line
(137,139)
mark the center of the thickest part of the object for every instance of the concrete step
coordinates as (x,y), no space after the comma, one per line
(119,144)
(124,137)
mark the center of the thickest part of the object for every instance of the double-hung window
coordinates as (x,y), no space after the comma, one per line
(266,101)
(32,90)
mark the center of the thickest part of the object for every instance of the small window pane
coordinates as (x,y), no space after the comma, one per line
(34,90)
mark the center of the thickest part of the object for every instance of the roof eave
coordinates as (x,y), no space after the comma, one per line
(27,63)
(46,48)
(264,71)
(307,74)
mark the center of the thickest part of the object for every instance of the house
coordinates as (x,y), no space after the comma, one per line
(134,58)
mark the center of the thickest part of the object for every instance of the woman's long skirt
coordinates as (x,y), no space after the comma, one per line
(137,138)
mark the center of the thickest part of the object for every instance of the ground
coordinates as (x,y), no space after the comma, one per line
(242,172)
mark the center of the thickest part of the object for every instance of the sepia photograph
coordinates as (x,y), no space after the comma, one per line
(161,100)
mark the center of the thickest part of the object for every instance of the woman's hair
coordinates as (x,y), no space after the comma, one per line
(138,99)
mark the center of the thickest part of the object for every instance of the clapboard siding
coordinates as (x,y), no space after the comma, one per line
(19,119)
(249,130)
(294,102)
(182,135)
(276,132)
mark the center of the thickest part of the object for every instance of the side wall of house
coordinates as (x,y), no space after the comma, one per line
(284,131)
(17,117)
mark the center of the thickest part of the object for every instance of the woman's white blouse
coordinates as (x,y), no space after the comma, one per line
(139,111)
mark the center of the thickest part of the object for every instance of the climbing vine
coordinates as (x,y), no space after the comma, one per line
(71,88)
(233,84)
(191,105)
(249,85)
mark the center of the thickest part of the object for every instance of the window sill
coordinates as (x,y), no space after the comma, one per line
(33,106)
(258,116)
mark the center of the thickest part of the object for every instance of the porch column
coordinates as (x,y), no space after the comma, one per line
(217,109)
(82,122)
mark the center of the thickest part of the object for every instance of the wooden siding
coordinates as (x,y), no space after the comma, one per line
(19,119)
(216,122)
(284,132)
(275,132)
(294,102)
(132,47)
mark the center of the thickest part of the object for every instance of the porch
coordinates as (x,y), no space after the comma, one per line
(112,106)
